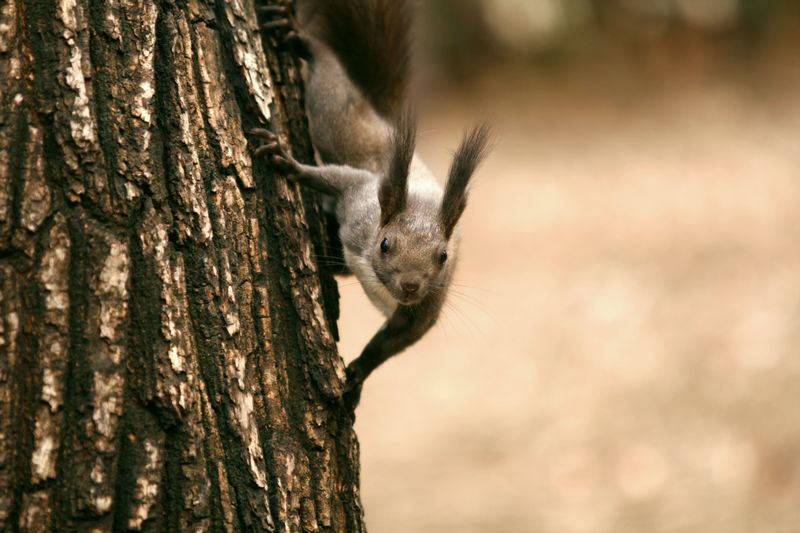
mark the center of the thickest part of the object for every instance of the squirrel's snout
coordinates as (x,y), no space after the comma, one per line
(409,287)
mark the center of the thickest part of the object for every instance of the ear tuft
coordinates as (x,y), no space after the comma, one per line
(473,149)
(393,190)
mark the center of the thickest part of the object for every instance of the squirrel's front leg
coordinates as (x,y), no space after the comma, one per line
(405,327)
(327,179)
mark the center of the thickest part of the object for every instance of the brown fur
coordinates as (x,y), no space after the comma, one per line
(371,40)
(393,190)
(470,153)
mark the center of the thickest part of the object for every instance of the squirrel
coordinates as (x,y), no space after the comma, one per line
(397,225)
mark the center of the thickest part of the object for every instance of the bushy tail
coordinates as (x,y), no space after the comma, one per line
(372,40)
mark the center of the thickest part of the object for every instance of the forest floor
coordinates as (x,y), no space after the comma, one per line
(622,350)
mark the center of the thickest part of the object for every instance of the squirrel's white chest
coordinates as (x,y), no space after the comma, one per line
(376,292)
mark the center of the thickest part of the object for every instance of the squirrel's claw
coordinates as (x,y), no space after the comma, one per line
(273,150)
(273,9)
(263,134)
(277,24)
(267,148)
(283,13)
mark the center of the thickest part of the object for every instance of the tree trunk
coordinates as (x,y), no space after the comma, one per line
(167,342)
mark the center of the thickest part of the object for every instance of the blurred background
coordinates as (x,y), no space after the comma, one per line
(621,352)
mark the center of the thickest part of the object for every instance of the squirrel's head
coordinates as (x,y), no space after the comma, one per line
(414,247)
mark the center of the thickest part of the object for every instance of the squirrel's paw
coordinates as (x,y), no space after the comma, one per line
(352,388)
(281,24)
(273,150)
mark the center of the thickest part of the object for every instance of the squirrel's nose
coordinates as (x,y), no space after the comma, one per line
(409,287)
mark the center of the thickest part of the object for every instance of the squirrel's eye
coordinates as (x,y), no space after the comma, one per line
(442,258)
(385,245)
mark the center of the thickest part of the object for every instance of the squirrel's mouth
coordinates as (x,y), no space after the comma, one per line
(409,300)
(400,296)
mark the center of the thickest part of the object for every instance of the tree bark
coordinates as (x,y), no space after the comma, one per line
(167,341)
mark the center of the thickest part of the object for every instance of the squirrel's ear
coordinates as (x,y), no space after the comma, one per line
(472,150)
(394,186)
